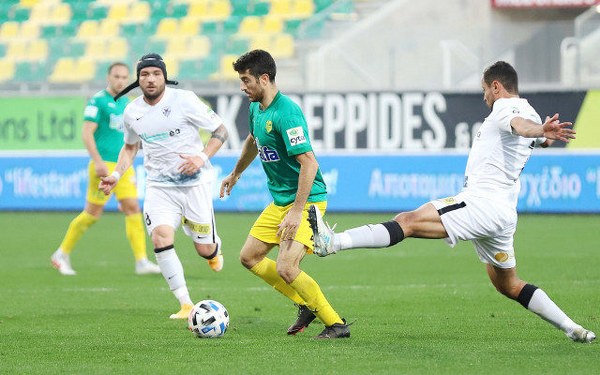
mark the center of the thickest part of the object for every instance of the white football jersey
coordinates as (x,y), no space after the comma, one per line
(498,155)
(167,130)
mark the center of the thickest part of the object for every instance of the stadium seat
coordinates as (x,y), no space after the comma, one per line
(272,24)
(225,71)
(167,28)
(19,14)
(189,26)
(137,13)
(28,3)
(9,30)
(172,66)
(117,11)
(30,72)
(250,25)
(302,9)
(63,69)
(7,70)
(95,48)
(261,41)
(69,70)
(283,46)
(29,30)
(97,12)
(50,13)
(17,51)
(220,10)
(198,10)
(88,29)
(37,50)
(116,49)
(188,48)
(281,8)
(108,28)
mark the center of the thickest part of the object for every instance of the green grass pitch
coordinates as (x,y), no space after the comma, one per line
(418,308)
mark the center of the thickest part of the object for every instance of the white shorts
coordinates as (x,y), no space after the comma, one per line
(490,226)
(191,206)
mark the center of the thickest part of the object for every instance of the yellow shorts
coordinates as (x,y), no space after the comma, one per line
(266,226)
(125,188)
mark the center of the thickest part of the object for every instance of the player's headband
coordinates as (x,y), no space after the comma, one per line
(149,60)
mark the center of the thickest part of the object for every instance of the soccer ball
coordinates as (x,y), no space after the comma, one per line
(208,318)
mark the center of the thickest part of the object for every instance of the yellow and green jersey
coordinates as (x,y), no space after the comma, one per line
(108,114)
(281,133)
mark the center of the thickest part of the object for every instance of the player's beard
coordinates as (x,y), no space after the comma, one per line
(257,96)
(159,91)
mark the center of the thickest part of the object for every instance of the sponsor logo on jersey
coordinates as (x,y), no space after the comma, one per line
(296,136)
(166,111)
(90,111)
(160,136)
(116,122)
(267,155)
(269,126)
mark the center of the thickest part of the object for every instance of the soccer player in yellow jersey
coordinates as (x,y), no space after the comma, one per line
(103,138)
(279,135)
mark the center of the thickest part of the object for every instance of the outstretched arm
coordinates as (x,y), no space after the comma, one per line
(249,152)
(552,129)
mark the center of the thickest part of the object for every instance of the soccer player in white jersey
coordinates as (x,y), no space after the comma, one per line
(485,211)
(166,122)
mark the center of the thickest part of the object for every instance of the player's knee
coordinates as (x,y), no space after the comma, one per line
(405,219)
(247,260)
(205,250)
(287,272)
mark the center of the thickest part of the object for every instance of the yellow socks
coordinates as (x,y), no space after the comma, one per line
(77,228)
(134,229)
(266,270)
(310,291)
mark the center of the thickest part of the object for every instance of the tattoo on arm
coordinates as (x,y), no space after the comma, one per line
(220,133)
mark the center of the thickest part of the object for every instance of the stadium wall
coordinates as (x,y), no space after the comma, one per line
(379,151)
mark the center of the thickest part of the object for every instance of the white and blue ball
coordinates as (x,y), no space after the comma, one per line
(208,319)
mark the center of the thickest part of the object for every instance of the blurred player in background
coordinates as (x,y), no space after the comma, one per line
(485,212)
(178,170)
(103,138)
(279,134)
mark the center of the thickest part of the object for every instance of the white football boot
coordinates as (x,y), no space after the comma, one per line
(580,334)
(322,233)
(62,263)
(145,267)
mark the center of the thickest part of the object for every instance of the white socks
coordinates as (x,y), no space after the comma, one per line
(369,236)
(172,270)
(543,306)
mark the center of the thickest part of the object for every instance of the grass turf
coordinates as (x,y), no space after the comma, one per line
(417,308)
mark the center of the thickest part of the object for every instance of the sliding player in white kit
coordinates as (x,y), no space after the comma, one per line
(178,171)
(485,211)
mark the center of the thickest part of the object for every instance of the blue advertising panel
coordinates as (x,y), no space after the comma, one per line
(551,182)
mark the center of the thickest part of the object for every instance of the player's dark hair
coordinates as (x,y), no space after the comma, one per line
(148,60)
(504,73)
(118,63)
(257,62)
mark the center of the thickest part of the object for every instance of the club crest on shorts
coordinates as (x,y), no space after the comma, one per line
(166,111)
(501,257)
(449,200)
